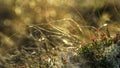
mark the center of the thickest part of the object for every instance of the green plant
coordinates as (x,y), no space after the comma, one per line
(101,52)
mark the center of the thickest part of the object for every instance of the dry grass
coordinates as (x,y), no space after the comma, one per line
(35,31)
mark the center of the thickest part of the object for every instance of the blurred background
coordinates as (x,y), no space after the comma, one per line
(79,18)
